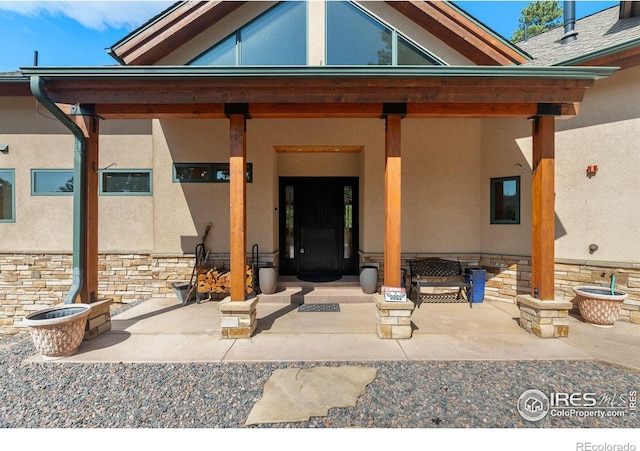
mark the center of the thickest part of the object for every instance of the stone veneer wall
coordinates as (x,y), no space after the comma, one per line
(509,276)
(31,282)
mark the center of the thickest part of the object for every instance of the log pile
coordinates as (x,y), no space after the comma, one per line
(215,280)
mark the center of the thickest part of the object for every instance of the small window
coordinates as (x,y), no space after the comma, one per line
(126,182)
(505,200)
(221,171)
(193,172)
(7,195)
(51,182)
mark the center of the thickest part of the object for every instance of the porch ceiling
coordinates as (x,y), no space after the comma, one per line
(319,92)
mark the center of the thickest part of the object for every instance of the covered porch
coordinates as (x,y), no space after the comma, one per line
(391,94)
(161,330)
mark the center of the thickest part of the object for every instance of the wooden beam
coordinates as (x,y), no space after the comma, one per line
(318,149)
(89,125)
(173,30)
(337,90)
(315,110)
(461,33)
(161,111)
(326,110)
(392,201)
(543,209)
(238,205)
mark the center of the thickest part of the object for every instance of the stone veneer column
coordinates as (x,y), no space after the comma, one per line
(545,319)
(238,318)
(393,319)
(99,320)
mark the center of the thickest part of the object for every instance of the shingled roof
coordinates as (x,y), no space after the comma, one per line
(600,34)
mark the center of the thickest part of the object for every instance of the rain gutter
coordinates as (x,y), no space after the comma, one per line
(212,73)
(79,194)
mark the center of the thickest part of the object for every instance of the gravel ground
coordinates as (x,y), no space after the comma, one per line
(404,394)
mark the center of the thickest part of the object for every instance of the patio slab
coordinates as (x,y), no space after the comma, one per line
(162,330)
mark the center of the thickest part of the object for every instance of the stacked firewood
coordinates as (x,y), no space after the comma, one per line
(215,280)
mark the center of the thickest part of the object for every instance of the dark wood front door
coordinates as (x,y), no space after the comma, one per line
(318,225)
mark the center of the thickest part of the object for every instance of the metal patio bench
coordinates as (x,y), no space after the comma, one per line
(438,273)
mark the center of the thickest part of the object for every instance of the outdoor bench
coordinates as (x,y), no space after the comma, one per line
(438,273)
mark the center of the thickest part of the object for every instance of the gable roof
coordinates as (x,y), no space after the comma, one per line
(186,19)
(169,30)
(604,38)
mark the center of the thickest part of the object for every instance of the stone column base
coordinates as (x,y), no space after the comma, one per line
(393,319)
(238,318)
(99,319)
(545,319)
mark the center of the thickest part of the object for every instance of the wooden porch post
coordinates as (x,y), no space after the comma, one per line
(543,208)
(238,200)
(89,125)
(392,206)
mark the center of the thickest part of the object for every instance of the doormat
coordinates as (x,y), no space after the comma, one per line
(294,394)
(320,277)
(319,308)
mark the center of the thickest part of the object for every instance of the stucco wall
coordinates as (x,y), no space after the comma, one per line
(45,223)
(602,209)
(505,143)
(441,170)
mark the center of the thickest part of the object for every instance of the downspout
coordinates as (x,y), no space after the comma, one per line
(79,182)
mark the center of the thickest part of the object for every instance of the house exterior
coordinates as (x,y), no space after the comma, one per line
(329,134)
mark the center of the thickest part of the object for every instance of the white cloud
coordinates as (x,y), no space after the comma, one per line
(98,15)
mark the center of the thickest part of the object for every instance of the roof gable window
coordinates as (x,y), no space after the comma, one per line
(276,38)
(354,37)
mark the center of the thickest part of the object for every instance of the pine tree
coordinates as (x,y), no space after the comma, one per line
(538,17)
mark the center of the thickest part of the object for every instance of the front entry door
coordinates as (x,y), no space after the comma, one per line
(318,225)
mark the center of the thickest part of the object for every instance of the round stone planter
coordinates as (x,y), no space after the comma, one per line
(58,331)
(598,306)
(369,279)
(268,280)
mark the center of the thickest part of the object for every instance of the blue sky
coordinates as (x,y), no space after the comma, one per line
(76,33)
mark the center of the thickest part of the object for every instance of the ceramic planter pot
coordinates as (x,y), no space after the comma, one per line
(369,279)
(598,306)
(268,280)
(58,331)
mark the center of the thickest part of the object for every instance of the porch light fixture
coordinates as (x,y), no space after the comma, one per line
(4,148)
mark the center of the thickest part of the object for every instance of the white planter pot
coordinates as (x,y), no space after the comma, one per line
(58,331)
(598,306)
(268,280)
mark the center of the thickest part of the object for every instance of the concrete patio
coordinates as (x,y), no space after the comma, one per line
(163,330)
